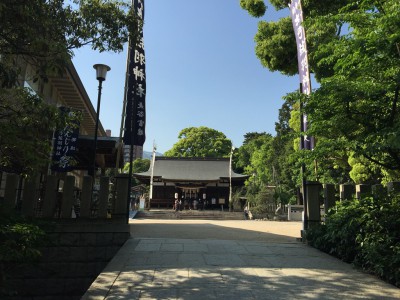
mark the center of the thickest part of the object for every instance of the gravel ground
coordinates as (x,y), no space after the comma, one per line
(271,231)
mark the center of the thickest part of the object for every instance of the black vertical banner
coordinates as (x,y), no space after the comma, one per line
(135,120)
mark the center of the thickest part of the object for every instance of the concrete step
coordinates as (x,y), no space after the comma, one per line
(190,215)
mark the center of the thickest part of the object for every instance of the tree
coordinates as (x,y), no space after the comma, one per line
(253,158)
(43,35)
(200,142)
(354,51)
(25,135)
(138,165)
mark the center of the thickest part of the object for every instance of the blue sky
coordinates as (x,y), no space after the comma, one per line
(201,70)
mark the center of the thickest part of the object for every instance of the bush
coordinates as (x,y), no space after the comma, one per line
(365,232)
(20,241)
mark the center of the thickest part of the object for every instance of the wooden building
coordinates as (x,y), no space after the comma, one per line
(192,180)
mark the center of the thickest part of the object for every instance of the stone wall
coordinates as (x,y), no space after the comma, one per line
(75,255)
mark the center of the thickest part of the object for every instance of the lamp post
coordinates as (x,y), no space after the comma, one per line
(230,179)
(101,72)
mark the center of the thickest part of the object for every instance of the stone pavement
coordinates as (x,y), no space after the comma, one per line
(203,259)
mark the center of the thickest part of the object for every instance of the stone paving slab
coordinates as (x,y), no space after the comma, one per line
(178,266)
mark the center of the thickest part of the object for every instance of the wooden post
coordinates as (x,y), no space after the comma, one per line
(378,189)
(10,192)
(30,196)
(86,196)
(50,196)
(120,208)
(103,197)
(68,197)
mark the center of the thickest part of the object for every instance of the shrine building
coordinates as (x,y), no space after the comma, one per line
(204,180)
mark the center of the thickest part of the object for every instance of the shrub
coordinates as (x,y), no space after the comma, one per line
(365,232)
(20,240)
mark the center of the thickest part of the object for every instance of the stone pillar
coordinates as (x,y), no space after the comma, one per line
(378,189)
(347,191)
(50,196)
(103,197)
(121,200)
(86,196)
(30,196)
(362,189)
(68,197)
(313,206)
(329,196)
(393,187)
(10,192)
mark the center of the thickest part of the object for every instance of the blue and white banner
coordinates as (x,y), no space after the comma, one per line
(65,144)
(135,120)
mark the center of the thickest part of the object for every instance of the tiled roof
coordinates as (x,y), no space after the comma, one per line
(191,169)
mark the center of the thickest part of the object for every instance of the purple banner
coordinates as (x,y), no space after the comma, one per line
(296,13)
(302,59)
(135,120)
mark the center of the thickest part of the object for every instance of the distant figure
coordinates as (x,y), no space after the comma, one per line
(246,213)
(201,204)
(176,205)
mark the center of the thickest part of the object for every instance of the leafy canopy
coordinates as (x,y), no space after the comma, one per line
(200,142)
(354,53)
(45,33)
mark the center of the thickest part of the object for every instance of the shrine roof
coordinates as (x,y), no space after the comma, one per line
(191,169)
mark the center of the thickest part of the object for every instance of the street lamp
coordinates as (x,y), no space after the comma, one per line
(230,179)
(101,72)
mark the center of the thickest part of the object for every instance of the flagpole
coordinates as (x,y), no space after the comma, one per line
(230,179)
(121,130)
(296,13)
(130,178)
(303,165)
(152,173)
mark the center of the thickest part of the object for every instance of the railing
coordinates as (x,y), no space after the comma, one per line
(51,197)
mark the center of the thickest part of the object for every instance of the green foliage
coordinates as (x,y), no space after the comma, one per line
(276,46)
(44,33)
(26,127)
(200,142)
(236,198)
(353,51)
(256,8)
(364,232)
(261,202)
(139,165)
(251,156)
(20,241)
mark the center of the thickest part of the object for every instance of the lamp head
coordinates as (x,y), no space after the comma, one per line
(101,71)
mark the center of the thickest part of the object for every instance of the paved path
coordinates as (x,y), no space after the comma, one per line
(194,259)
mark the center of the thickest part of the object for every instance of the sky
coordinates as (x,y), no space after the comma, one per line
(201,70)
